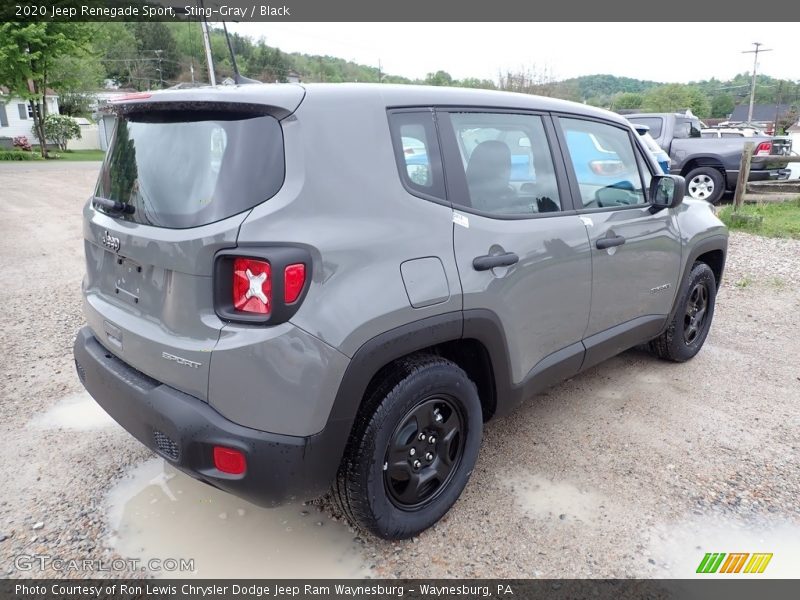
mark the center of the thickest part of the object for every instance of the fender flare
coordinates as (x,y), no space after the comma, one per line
(714,242)
(328,446)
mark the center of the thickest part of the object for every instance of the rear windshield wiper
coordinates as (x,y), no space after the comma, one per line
(114,205)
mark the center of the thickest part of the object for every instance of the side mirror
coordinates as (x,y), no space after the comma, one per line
(667,191)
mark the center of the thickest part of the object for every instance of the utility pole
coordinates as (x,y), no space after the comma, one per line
(160,72)
(207,44)
(753,83)
(777,108)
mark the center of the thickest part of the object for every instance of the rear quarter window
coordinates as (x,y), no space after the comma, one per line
(416,150)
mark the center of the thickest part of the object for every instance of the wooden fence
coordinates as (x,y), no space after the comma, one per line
(757,191)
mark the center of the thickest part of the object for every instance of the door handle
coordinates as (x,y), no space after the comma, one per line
(609,242)
(490,261)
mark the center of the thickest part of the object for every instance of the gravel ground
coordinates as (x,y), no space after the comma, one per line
(614,473)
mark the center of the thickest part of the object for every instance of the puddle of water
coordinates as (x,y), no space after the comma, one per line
(76,411)
(158,513)
(679,548)
(545,499)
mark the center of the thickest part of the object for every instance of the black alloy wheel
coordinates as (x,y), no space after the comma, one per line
(424,451)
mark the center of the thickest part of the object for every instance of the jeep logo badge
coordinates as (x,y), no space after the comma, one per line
(110,242)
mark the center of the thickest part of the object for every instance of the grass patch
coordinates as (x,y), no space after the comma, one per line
(78,155)
(774,219)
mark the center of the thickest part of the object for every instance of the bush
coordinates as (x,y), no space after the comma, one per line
(60,129)
(22,143)
(19,155)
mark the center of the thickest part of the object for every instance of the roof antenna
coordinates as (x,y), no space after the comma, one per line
(237,77)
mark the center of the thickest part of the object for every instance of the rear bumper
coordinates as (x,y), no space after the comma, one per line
(757,175)
(183,430)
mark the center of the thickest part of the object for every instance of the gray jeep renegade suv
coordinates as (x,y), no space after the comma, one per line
(294,289)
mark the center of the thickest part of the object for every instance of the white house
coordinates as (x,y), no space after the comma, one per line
(16,117)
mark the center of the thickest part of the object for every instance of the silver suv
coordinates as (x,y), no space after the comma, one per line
(294,289)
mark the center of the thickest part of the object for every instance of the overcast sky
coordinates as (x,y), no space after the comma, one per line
(668,52)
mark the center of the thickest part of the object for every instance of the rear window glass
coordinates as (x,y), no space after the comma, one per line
(654,123)
(179,171)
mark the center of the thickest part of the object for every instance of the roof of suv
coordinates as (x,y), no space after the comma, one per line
(288,97)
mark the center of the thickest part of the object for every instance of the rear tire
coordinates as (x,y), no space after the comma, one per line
(705,183)
(689,327)
(393,481)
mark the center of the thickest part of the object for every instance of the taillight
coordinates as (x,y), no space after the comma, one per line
(294,278)
(252,286)
(229,460)
(607,168)
(764,149)
(261,285)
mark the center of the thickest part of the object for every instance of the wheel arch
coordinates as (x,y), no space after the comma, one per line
(473,339)
(711,251)
(706,160)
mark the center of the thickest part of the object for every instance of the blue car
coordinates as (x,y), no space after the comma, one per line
(662,158)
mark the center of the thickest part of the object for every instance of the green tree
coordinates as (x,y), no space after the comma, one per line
(722,106)
(76,104)
(78,76)
(625,100)
(116,44)
(60,129)
(474,82)
(439,78)
(28,54)
(676,96)
(156,45)
(268,64)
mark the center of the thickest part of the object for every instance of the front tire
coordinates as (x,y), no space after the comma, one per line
(689,327)
(412,449)
(705,183)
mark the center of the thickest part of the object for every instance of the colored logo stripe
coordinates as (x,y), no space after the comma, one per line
(758,563)
(734,562)
(713,562)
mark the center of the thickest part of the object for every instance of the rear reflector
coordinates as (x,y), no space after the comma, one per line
(294,278)
(229,460)
(252,286)
(763,149)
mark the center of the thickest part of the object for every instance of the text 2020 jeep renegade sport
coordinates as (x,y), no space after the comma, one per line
(292,289)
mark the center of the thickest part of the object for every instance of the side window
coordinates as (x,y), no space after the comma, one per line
(604,163)
(417,153)
(507,163)
(3,115)
(23,112)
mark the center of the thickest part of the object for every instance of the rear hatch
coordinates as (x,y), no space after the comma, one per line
(181,174)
